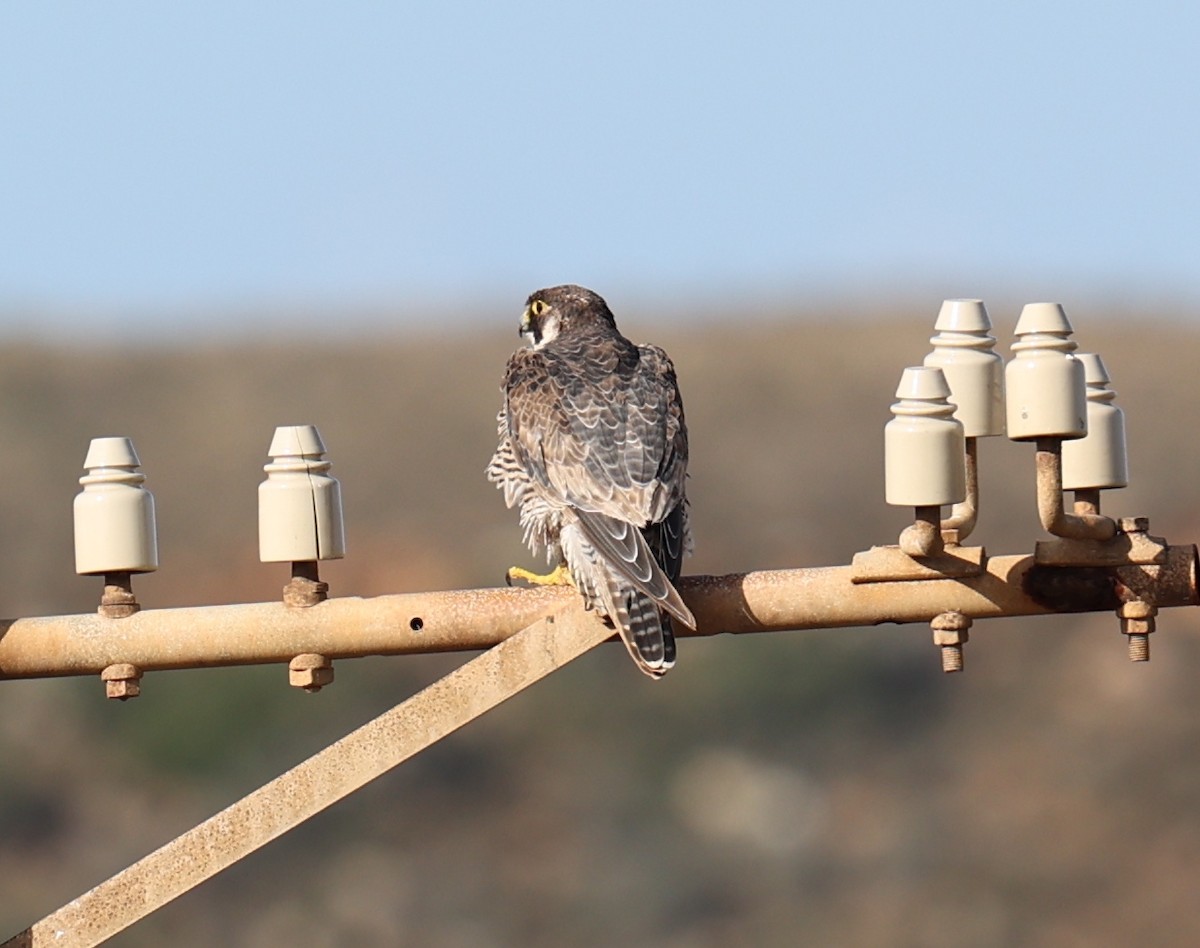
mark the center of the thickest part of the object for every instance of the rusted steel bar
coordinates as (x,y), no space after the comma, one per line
(559,631)
(320,781)
(768,601)
(963,516)
(1054,517)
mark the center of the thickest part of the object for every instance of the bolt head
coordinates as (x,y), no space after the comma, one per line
(1137,626)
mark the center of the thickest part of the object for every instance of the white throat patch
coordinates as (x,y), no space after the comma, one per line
(549,331)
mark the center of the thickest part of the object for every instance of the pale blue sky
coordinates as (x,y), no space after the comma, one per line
(159,158)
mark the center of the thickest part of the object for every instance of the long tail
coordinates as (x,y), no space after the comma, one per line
(646,631)
(626,551)
(617,574)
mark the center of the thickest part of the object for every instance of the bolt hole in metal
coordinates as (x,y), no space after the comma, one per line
(416,623)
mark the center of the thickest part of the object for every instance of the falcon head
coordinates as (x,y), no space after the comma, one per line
(561,309)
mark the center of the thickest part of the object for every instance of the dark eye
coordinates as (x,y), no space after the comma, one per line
(537,307)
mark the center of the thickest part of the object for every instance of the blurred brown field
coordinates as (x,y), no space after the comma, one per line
(825,788)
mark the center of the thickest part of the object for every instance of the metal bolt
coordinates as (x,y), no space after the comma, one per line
(1136,609)
(310,671)
(1137,622)
(305,588)
(950,634)
(1139,647)
(952,658)
(122,681)
(118,600)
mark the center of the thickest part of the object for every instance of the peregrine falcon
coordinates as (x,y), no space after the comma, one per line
(593,449)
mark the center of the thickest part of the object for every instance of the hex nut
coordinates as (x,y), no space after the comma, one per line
(945,637)
(950,620)
(1137,626)
(122,681)
(310,671)
(950,628)
(1136,609)
(302,592)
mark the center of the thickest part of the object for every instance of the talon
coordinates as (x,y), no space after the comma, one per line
(559,576)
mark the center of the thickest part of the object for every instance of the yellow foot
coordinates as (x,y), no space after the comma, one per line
(560,576)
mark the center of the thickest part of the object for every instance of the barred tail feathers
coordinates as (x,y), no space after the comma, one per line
(646,632)
(625,550)
(638,618)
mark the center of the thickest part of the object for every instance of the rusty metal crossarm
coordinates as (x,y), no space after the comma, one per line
(320,781)
(765,601)
(527,634)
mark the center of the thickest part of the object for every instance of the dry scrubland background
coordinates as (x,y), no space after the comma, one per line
(821,788)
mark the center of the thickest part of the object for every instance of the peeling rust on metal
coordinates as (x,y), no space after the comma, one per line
(1071,588)
(1105,588)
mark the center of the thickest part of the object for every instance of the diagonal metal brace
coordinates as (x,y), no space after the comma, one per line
(320,781)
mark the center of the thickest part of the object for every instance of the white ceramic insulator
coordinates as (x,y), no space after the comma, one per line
(114,514)
(299,504)
(924,450)
(1044,385)
(1098,461)
(964,350)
